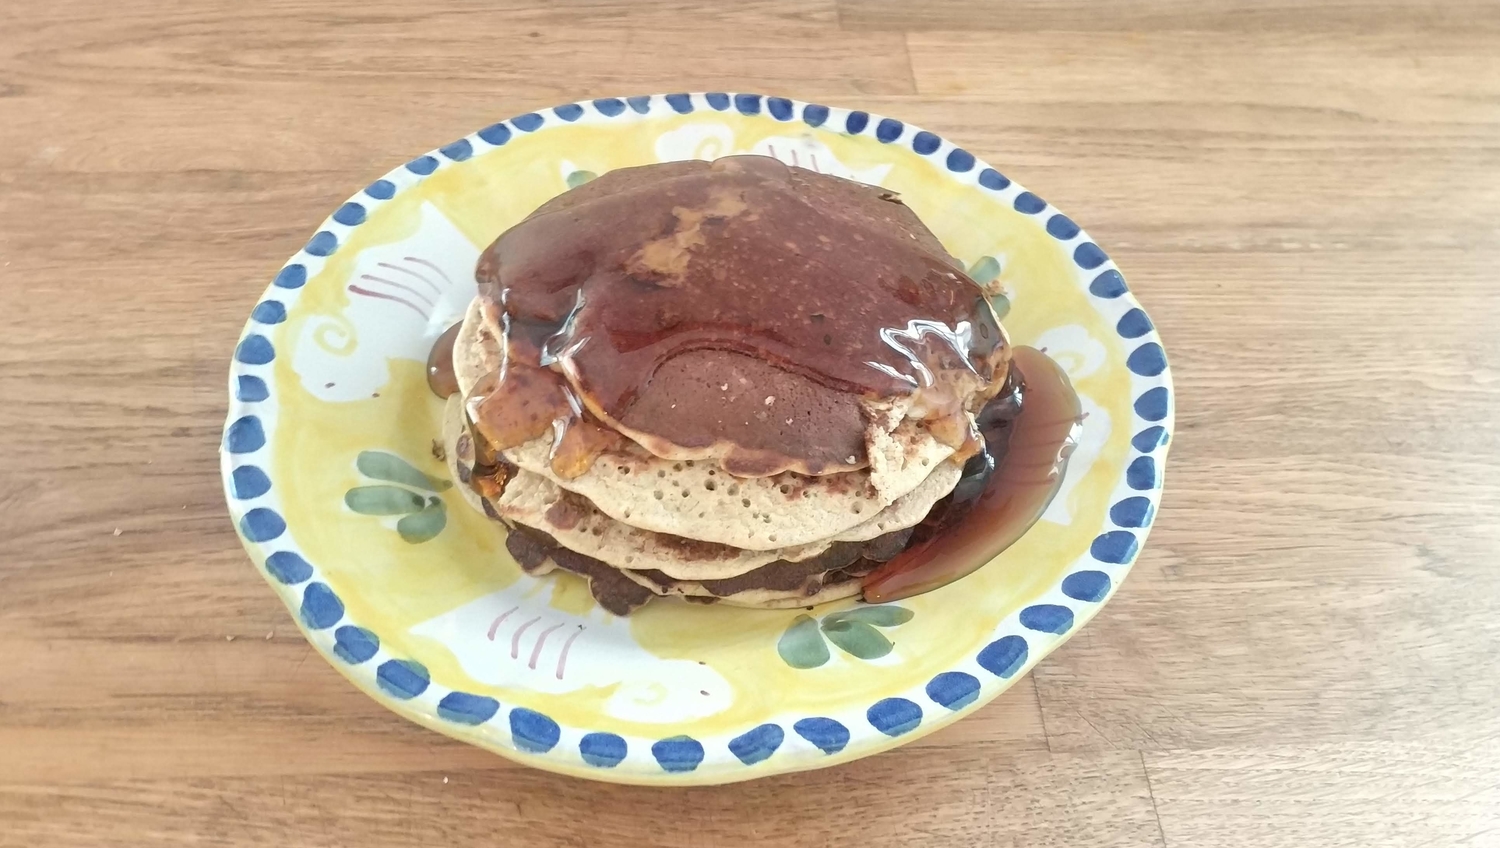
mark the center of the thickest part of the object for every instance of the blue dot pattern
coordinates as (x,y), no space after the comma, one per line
(1149,439)
(1148,360)
(537,733)
(463,708)
(1132,512)
(1004,656)
(993,180)
(251,389)
(960,160)
(826,734)
(249,482)
(322,243)
(1116,547)
(321,608)
(245,436)
(351,214)
(1061,227)
(1047,618)
(496,134)
(1091,586)
(1108,284)
(533,732)
(1029,203)
(1133,324)
(255,350)
(288,567)
(757,745)
(261,525)
(291,277)
(355,645)
(1152,404)
(1089,256)
(459,150)
(894,716)
(678,754)
(268,312)
(953,689)
(403,679)
(1141,474)
(602,750)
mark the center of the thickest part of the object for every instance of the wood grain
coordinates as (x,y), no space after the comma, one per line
(1303,194)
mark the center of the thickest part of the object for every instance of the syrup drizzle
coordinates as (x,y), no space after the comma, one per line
(1029,435)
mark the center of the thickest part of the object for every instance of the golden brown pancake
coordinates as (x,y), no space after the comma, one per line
(733,381)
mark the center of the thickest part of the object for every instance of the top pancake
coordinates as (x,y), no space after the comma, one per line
(745,312)
(694,501)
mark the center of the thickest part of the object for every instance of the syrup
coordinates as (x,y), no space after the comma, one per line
(440,376)
(1030,430)
(798,293)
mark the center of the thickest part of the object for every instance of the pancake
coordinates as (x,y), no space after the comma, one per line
(776,286)
(572,520)
(732,382)
(699,500)
(622,591)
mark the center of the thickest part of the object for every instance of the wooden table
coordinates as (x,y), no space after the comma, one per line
(1305,195)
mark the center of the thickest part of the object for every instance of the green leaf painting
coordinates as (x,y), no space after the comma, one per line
(422,526)
(881,616)
(1001,304)
(853,631)
(801,646)
(857,639)
(383,500)
(393,469)
(423,514)
(985,270)
(578,178)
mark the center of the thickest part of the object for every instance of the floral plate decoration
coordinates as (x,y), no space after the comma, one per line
(333,478)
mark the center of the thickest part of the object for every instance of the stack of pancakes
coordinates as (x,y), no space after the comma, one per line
(734,381)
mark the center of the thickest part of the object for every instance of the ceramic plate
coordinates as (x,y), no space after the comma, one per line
(332,480)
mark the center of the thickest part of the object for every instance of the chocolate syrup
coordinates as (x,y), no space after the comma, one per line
(440,376)
(794,295)
(1030,430)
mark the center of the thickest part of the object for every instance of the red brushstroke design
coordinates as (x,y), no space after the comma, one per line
(409,272)
(562,658)
(382,296)
(515,641)
(541,640)
(436,269)
(402,286)
(495,625)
